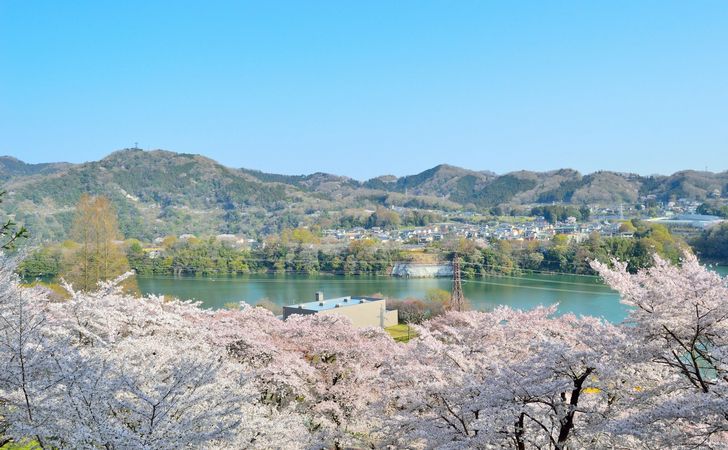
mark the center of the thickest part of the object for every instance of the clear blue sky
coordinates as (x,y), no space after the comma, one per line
(367,88)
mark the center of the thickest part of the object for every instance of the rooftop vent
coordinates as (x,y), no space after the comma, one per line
(321,303)
(336,305)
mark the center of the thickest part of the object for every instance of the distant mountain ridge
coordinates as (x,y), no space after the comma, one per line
(160,192)
(11,167)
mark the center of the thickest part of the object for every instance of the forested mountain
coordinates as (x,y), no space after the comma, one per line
(160,192)
(11,167)
(154,192)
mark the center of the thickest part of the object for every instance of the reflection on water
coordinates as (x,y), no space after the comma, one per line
(577,294)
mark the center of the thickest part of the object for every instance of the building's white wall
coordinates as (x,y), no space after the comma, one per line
(391,318)
(369,314)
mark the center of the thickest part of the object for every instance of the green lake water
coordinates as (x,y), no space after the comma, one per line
(582,295)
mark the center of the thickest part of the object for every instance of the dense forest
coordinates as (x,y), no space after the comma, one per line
(713,209)
(712,244)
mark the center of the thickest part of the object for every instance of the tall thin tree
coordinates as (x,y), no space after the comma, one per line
(97,255)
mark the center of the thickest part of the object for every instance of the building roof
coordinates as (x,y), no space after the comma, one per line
(696,220)
(340,302)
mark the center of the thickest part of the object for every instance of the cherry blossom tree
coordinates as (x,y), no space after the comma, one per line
(149,373)
(506,379)
(346,379)
(678,360)
(318,367)
(107,370)
(31,351)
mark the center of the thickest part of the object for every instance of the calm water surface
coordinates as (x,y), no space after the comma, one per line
(581,295)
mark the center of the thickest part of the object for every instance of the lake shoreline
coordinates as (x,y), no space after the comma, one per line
(582,295)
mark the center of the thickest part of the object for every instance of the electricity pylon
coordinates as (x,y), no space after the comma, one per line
(457,299)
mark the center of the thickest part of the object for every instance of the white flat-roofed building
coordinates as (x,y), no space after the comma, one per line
(691,220)
(362,311)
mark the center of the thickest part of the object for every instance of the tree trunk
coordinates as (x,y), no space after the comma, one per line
(567,424)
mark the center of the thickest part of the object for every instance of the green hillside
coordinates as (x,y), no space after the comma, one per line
(160,192)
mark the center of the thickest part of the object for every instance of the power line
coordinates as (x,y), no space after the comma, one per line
(540,288)
(231,277)
(384,277)
(388,279)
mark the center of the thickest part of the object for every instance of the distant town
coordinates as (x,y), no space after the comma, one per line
(681,217)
